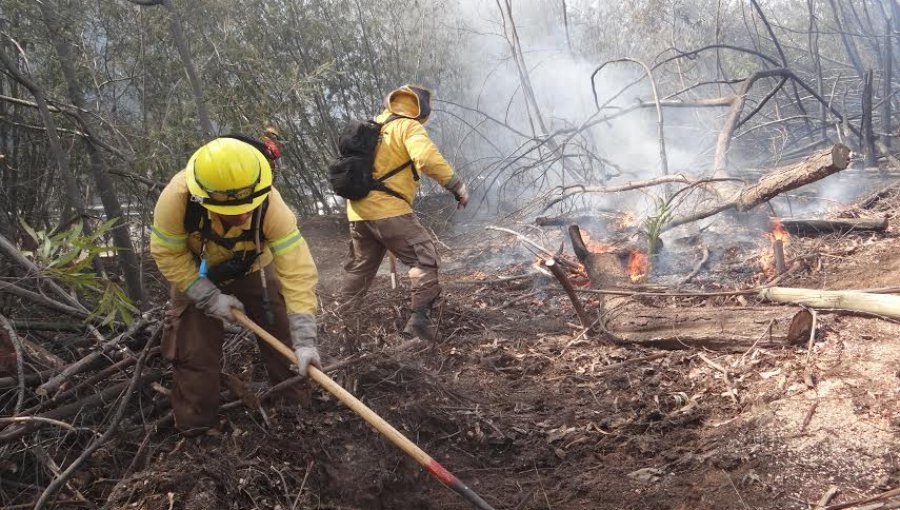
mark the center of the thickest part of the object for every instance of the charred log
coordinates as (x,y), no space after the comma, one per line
(603,269)
(811,227)
(720,329)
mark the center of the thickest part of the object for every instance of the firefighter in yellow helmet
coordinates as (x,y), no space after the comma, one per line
(224,238)
(270,137)
(383,221)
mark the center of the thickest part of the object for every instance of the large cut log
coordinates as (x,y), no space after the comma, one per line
(777,181)
(878,304)
(733,329)
(812,227)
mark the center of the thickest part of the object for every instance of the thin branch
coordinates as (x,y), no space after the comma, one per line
(15,255)
(20,361)
(42,300)
(61,480)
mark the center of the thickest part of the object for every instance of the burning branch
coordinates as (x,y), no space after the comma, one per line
(560,275)
(535,245)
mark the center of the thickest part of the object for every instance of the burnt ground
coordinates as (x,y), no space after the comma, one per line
(533,415)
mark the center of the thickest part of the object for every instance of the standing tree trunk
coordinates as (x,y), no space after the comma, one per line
(817,63)
(184,52)
(849,45)
(887,81)
(128,262)
(73,195)
(868,135)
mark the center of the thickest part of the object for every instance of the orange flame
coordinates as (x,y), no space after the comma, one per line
(767,263)
(778,232)
(638,264)
(626,219)
(594,246)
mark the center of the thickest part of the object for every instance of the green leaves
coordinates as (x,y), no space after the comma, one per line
(114,303)
(68,257)
(656,222)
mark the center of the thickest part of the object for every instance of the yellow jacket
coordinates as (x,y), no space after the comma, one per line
(402,140)
(176,252)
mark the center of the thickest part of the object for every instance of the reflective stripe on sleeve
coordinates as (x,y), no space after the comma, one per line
(287,242)
(171,241)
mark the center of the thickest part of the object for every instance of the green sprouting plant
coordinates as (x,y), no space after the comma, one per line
(68,257)
(656,222)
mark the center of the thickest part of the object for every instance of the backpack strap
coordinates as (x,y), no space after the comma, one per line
(193,215)
(195,220)
(378,184)
(257,144)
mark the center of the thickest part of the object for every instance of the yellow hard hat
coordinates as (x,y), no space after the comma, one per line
(228,176)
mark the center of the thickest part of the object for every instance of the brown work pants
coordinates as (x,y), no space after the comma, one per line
(192,341)
(406,238)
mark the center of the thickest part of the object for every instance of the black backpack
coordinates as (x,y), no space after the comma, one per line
(350,174)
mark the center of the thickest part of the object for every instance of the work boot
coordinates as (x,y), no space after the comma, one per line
(419,324)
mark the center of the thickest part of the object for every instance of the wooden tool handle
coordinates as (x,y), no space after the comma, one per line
(393,262)
(377,422)
(343,395)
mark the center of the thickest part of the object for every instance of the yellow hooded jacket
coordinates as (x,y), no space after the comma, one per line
(402,140)
(175,251)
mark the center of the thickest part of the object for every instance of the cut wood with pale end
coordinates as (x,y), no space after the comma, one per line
(777,181)
(813,227)
(878,304)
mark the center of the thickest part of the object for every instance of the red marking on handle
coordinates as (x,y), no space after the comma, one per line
(446,477)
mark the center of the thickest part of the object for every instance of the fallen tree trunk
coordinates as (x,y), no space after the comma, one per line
(777,181)
(836,226)
(878,304)
(733,329)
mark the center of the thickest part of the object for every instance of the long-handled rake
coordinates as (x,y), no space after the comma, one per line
(377,422)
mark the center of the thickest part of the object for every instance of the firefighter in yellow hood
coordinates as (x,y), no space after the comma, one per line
(224,238)
(383,221)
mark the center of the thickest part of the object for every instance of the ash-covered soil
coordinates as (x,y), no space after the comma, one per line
(533,414)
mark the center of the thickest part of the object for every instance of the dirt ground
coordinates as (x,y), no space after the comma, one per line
(533,415)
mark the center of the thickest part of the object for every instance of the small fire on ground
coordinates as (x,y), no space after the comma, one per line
(594,246)
(777,233)
(638,264)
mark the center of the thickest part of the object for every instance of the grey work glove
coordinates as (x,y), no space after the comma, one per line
(303,337)
(458,188)
(213,301)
